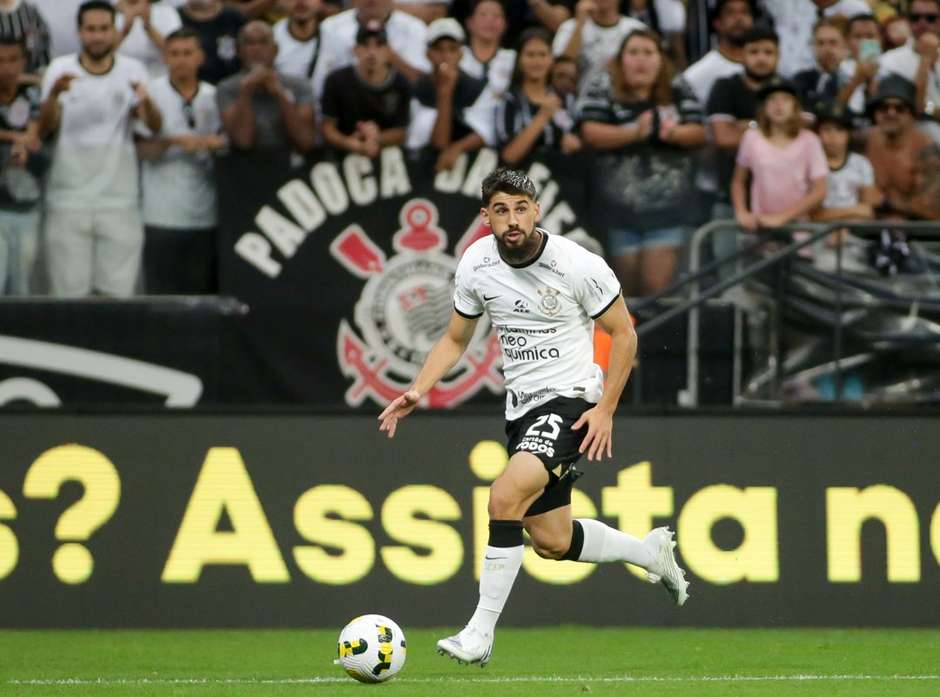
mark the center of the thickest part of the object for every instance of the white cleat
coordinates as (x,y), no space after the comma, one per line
(468,647)
(664,568)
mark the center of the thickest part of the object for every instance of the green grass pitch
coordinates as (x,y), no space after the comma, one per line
(545,662)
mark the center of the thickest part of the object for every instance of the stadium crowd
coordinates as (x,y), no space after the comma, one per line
(113,115)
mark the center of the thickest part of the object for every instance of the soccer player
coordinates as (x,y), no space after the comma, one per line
(543,294)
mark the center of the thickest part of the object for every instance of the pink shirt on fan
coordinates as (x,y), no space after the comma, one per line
(781,176)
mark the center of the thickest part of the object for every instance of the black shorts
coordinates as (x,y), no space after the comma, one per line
(545,431)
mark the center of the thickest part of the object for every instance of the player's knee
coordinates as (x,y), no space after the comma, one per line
(502,506)
(550,548)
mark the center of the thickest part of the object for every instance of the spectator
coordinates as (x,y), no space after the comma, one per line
(794,21)
(564,78)
(425,10)
(60,18)
(851,193)
(897,32)
(666,18)
(298,39)
(93,229)
(482,57)
(260,107)
(642,125)
(142,28)
(732,106)
(178,185)
(918,61)
(22,21)
(218,28)
(785,163)
(825,82)
(19,154)
(450,110)
(365,106)
(268,10)
(531,115)
(593,36)
(732,21)
(407,40)
(864,39)
(898,152)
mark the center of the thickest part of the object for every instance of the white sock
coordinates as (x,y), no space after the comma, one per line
(500,566)
(602,543)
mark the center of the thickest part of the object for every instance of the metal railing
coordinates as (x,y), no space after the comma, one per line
(778,259)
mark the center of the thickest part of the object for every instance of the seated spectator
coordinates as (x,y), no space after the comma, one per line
(531,115)
(918,62)
(60,18)
(425,10)
(564,78)
(142,28)
(851,193)
(298,39)
(785,163)
(824,82)
(407,40)
(449,110)
(642,124)
(861,67)
(260,107)
(218,28)
(177,181)
(898,151)
(593,36)
(365,106)
(19,171)
(94,234)
(24,22)
(483,58)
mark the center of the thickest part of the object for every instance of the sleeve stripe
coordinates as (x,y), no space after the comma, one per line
(466,315)
(604,309)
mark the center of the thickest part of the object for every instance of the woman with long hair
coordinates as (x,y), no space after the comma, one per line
(642,125)
(531,115)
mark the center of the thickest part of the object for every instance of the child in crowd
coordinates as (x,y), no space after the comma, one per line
(785,163)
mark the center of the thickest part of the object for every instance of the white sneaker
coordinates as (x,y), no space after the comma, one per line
(469,646)
(664,568)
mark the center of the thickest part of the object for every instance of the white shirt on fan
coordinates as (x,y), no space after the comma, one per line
(543,313)
(598,44)
(407,36)
(497,73)
(294,57)
(179,188)
(138,44)
(94,164)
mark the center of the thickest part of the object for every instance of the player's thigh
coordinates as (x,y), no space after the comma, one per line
(550,532)
(517,487)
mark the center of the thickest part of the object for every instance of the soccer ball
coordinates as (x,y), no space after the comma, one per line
(371,648)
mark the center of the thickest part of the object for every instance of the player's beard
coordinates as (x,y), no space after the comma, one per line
(519,253)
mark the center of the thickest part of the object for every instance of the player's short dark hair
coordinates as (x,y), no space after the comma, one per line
(92,5)
(181,34)
(507,181)
(7,39)
(760,33)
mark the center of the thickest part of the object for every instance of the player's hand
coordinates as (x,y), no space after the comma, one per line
(398,409)
(598,440)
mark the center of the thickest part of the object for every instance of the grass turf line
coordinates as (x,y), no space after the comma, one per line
(542,661)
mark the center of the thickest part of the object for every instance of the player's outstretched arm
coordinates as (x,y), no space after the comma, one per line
(600,419)
(444,356)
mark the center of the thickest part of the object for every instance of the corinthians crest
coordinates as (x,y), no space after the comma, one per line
(404,308)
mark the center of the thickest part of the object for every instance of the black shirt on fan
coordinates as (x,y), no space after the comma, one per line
(730,100)
(348,99)
(219,39)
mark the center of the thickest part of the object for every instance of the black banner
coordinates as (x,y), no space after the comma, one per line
(198,520)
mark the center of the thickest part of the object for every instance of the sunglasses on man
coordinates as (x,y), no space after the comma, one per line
(916,17)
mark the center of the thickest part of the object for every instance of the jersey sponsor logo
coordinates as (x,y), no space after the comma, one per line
(486,263)
(522,307)
(553,267)
(404,308)
(549,303)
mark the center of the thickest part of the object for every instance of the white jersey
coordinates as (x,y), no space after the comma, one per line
(543,312)
(294,57)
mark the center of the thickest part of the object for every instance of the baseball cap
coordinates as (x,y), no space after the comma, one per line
(893,87)
(445,28)
(776,84)
(834,112)
(373,29)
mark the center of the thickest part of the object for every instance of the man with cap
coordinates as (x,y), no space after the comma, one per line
(450,110)
(365,106)
(406,40)
(918,61)
(900,154)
